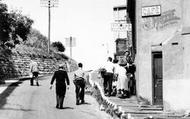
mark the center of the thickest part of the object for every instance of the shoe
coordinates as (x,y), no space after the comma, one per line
(57,106)
(82,102)
(37,84)
(61,108)
(108,95)
(77,103)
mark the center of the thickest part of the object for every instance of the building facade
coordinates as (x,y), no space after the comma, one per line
(163,47)
(122,32)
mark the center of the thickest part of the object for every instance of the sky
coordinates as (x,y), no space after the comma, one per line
(88,21)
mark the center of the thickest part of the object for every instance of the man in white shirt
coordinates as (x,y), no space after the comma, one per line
(79,81)
(34,70)
(108,77)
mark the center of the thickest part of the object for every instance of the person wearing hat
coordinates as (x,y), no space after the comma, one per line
(61,78)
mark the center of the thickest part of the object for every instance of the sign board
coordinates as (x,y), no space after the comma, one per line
(70,42)
(149,11)
(120,27)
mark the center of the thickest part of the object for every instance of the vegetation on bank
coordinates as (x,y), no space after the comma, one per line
(18,37)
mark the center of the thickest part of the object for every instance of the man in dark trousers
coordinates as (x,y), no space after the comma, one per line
(80,83)
(61,77)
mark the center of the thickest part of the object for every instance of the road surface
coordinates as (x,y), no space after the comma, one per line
(22,101)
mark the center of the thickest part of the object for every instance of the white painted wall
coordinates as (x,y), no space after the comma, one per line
(176,59)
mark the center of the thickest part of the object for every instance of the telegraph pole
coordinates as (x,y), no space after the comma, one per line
(49,24)
(49,4)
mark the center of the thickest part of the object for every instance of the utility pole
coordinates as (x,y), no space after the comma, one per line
(49,24)
(49,4)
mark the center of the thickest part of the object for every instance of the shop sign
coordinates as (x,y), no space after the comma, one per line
(121,27)
(149,11)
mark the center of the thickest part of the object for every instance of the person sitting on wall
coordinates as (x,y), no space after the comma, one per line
(108,77)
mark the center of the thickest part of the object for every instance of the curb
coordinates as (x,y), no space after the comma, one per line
(116,111)
(106,105)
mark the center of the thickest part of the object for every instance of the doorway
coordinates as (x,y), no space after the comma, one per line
(157,73)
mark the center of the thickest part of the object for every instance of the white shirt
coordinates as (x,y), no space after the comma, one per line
(34,67)
(121,71)
(79,73)
(116,68)
(109,66)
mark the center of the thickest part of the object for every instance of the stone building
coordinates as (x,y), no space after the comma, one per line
(122,32)
(163,47)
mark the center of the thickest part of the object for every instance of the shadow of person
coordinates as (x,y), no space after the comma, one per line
(67,108)
(85,103)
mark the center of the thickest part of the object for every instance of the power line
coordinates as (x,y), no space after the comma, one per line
(49,4)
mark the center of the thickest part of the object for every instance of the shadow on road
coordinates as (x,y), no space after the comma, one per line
(68,108)
(9,90)
(16,109)
(86,103)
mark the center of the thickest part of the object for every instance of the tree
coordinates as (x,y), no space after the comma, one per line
(4,24)
(59,46)
(13,27)
(37,40)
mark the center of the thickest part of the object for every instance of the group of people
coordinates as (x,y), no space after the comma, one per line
(62,83)
(118,78)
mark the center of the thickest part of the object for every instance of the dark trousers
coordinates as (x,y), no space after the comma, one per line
(60,100)
(34,75)
(108,78)
(60,95)
(79,90)
(31,81)
(132,85)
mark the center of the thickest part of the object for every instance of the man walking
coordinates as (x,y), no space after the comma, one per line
(62,78)
(79,82)
(35,72)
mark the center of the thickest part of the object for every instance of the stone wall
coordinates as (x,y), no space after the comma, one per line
(18,65)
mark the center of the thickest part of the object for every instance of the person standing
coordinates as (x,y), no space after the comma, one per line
(122,82)
(61,78)
(79,81)
(108,77)
(116,73)
(35,71)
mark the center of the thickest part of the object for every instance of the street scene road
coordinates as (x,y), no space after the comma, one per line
(38,102)
(130,57)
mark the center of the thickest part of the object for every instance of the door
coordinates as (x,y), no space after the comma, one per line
(157,78)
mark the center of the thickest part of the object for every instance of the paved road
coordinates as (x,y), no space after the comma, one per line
(32,102)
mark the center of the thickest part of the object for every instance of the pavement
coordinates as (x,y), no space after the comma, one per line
(128,108)
(19,100)
(131,108)
(11,81)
